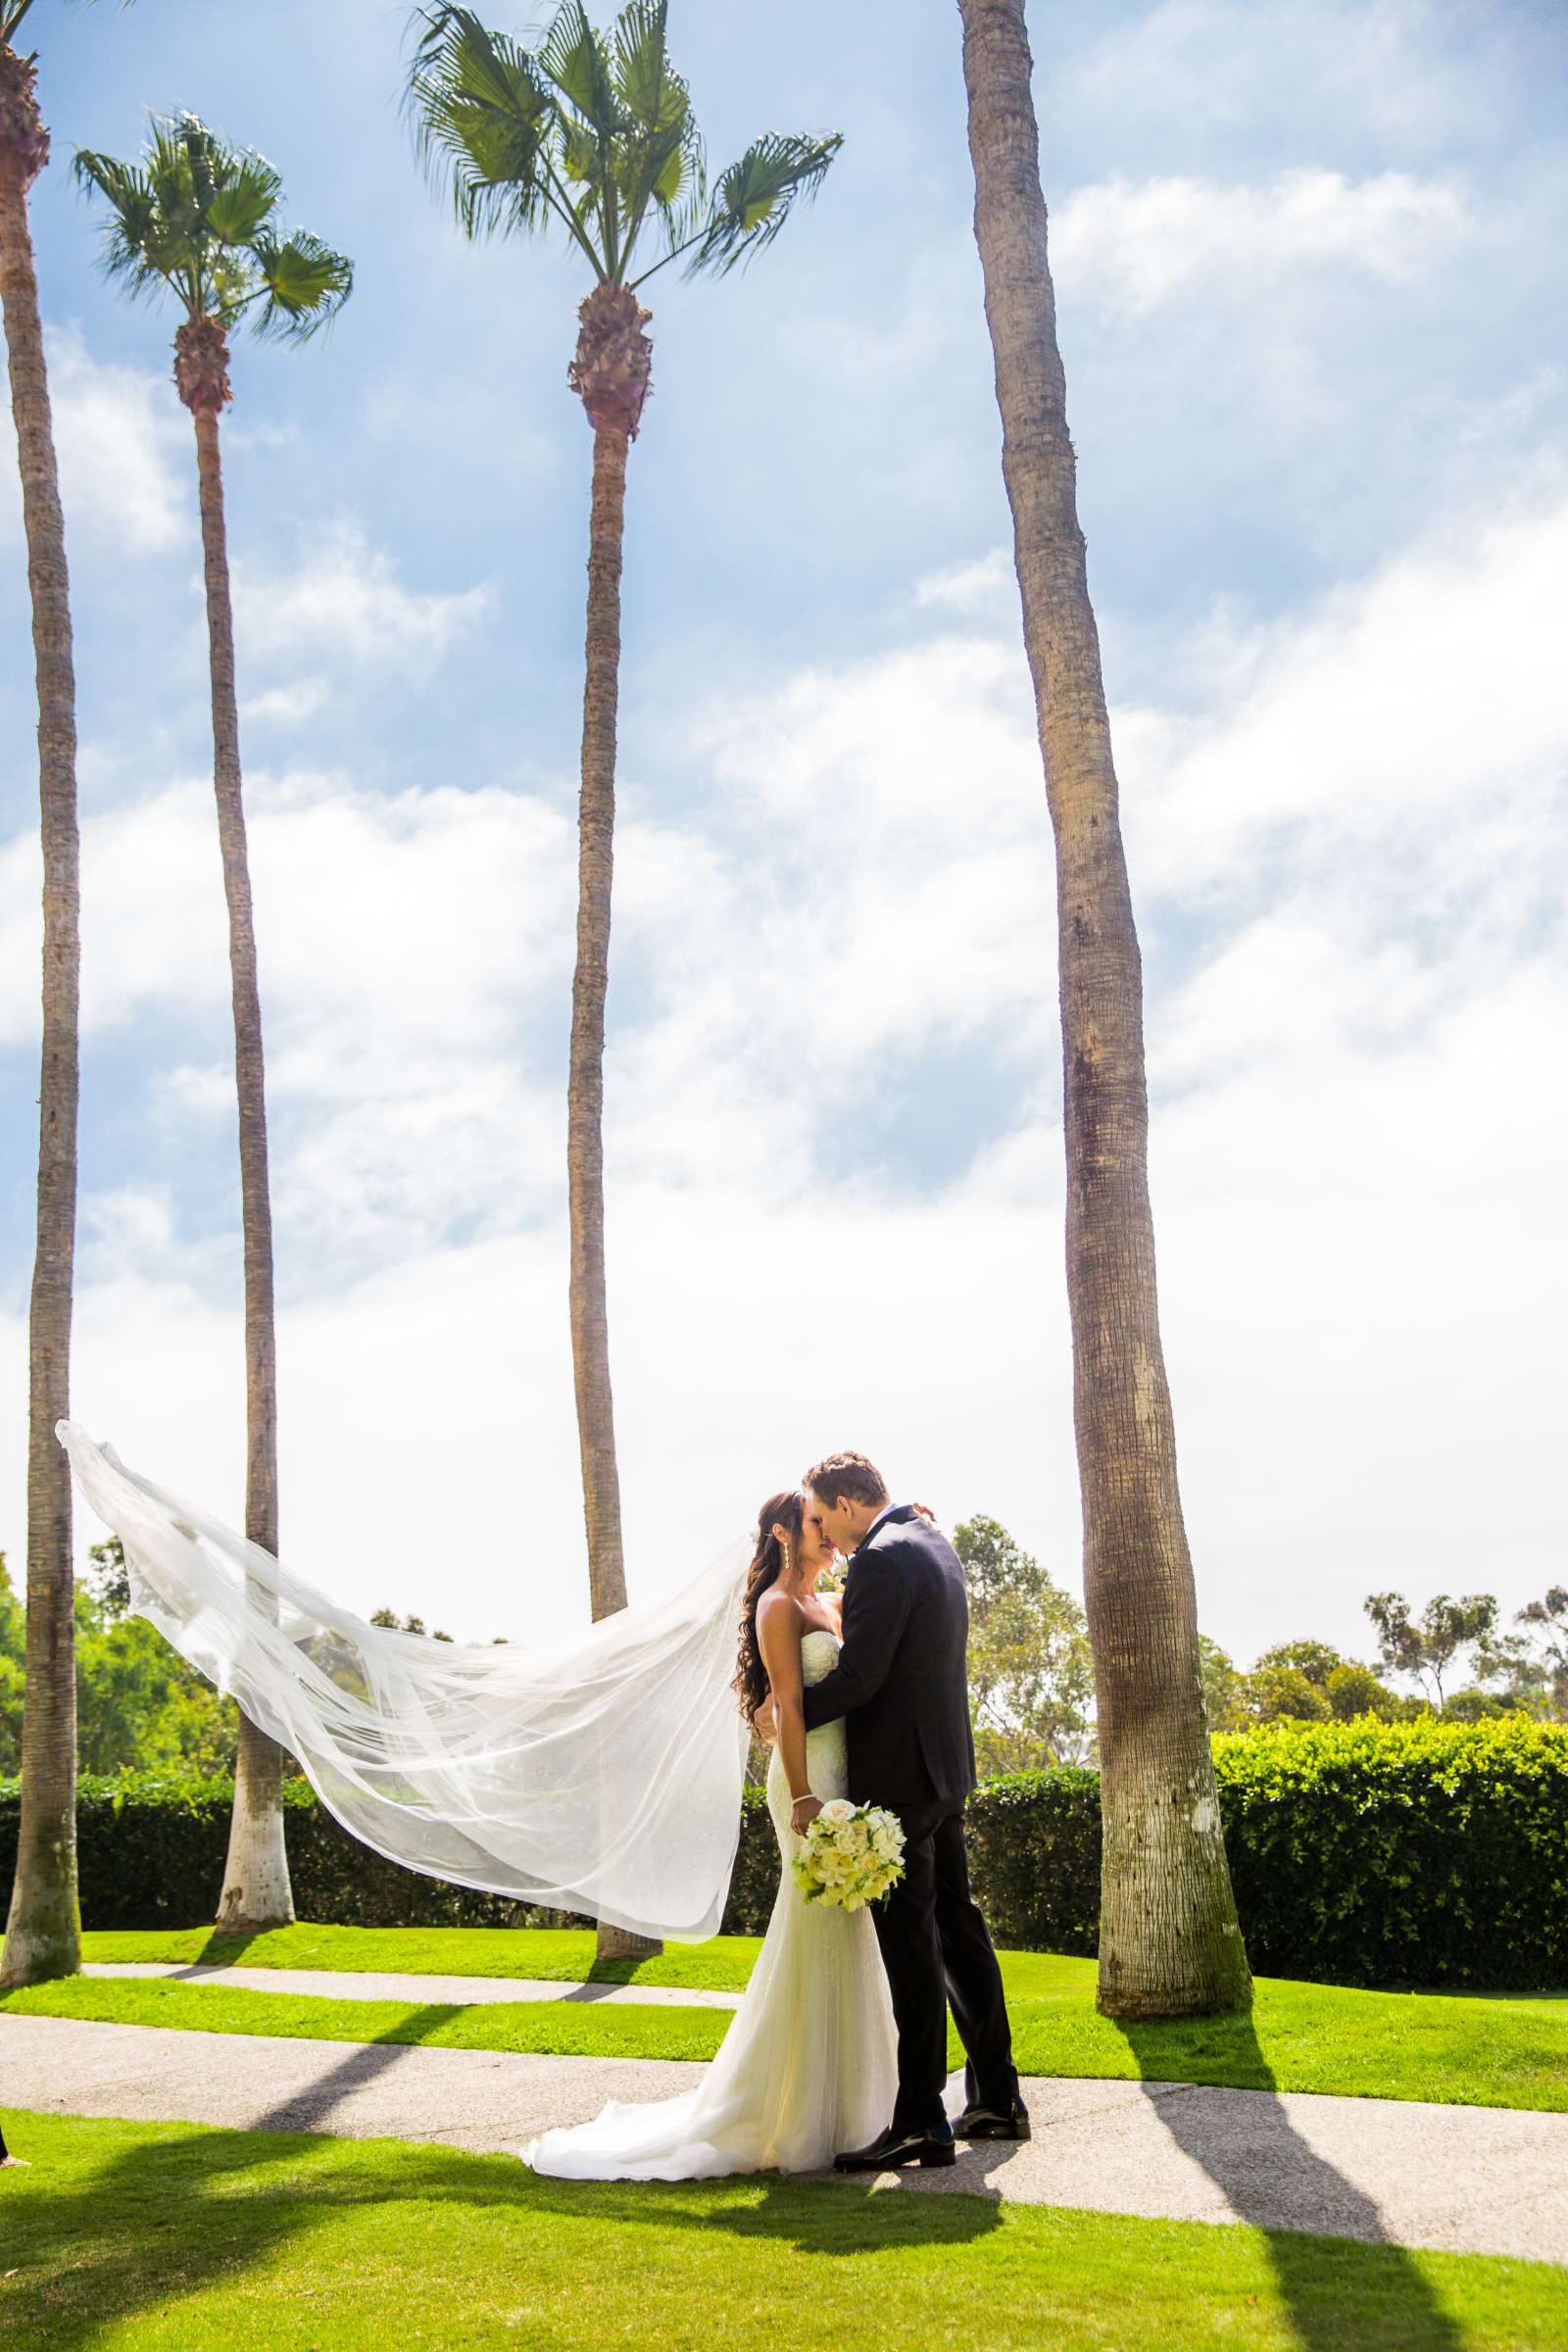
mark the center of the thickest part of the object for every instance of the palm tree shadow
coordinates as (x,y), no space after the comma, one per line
(1269,2173)
(225,1947)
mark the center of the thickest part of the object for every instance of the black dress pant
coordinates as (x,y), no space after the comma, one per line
(936,1950)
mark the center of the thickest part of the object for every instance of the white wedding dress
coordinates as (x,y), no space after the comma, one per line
(809,2064)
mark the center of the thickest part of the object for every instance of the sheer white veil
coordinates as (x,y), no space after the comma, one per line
(600,1773)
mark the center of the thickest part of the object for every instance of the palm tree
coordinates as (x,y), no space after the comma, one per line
(44,1926)
(594,135)
(199,218)
(1169,1940)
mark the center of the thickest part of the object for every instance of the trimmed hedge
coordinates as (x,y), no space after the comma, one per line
(1401,1853)
(1364,1853)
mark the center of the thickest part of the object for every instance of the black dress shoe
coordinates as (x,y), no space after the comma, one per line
(892,2148)
(979,2122)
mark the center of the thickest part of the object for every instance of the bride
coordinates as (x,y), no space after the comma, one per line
(809,2064)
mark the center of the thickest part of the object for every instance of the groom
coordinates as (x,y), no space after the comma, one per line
(902,1686)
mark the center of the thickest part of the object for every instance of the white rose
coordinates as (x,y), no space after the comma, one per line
(838,1809)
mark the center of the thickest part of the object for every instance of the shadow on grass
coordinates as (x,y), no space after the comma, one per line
(1272,2177)
(176,2216)
(225,1950)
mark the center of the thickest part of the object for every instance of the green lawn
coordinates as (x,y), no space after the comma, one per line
(1475,2052)
(558,2027)
(558,1956)
(165,2237)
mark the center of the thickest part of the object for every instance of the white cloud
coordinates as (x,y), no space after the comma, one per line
(974,586)
(346,597)
(285,706)
(127,465)
(1130,245)
(1411,715)
(1405,74)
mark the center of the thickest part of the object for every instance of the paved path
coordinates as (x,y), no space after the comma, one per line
(364,1984)
(1475,2179)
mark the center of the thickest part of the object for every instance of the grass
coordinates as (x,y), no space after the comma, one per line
(550,1955)
(557,2027)
(1453,2049)
(160,2237)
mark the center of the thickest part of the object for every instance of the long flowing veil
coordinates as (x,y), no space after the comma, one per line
(598,1774)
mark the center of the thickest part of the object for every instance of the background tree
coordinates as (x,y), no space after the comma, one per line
(1170,1944)
(593,135)
(1281,1694)
(43,1925)
(1533,1667)
(404,1625)
(199,218)
(1223,1682)
(1031,1673)
(138,1705)
(1312,1683)
(1425,1648)
(1353,1689)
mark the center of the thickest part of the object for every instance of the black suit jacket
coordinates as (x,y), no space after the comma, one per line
(902,1680)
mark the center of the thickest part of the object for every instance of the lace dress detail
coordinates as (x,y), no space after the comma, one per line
(810,2063)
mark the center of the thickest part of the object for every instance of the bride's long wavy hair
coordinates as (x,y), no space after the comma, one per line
(786,1510)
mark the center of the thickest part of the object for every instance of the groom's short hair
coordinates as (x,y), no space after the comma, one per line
(847,1476)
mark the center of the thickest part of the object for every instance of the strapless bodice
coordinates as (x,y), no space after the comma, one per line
(824,1747)
(819,1654)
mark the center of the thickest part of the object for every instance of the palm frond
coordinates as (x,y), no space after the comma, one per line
(306,283)
(646,84)
(480,113)
(573,55)
(130,230)
(756,196)
(244,193)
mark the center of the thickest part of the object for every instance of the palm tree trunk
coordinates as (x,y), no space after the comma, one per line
(43,1927)
(256,1882)
(609,372)
(585,1085)
(1169,1940)
(585,1082)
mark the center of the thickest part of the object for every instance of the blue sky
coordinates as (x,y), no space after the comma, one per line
(1304,255)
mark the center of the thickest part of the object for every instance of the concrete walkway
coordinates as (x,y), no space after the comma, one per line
(1473,2180)
(364,1984)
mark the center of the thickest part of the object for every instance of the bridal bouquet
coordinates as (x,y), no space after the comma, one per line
(850,1855)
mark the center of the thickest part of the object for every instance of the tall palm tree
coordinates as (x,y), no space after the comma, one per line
(199,218)
(1169,1940)
(593,135)
(44,1926)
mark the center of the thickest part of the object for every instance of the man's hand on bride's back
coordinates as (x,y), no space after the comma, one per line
(764,1723)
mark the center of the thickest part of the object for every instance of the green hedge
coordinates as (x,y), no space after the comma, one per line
(1401,1853)
(1364,1853)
